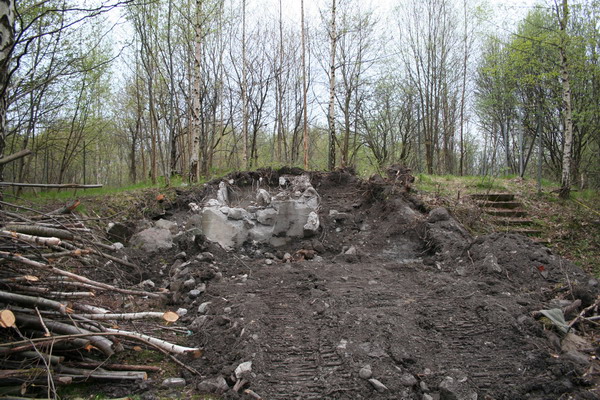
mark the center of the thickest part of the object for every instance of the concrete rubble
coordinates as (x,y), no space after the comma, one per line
(276,220)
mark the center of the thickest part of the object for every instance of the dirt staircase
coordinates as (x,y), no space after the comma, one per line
(509,214)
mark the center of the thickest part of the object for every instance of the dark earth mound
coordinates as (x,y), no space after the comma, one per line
(386,291)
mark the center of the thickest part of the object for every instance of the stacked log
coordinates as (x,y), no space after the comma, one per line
(52,331)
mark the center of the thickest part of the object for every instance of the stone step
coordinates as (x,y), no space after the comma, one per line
(526,231)
(506,213)
(493,196)
(500,204)
(512,221)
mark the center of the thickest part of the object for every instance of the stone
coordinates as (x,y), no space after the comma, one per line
(189,283)
(380,387)
(311,228)
(490,264)
(242,369)
(203,308)
(577,357)
(456,389)
(119,232)
(237,214)
(365,372)
(227,310)
(118,246)
(409,380)
(223,194)
(292,215)
(205,257)
(181,256)
(216,385)
(351,251)
(287,257)
(153,239)
(149,284)
(266,216)
(268,261)
(339,216)
(437,215)
(263,198)
(260,233)
(174,382)
(216,227)
(195,208)
(168,225)
(181,312)
(193,294)
(213,203)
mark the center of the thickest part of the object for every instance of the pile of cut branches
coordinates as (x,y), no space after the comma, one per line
(55,327)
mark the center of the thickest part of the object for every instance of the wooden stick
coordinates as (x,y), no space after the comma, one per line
(169,347)
(67,208)
(35,301)
(14,156)
(52,293)
(95,374)
(122,367)
(7,319)
(168,316)
(40,231)
(52,185)
(100,342)
(26,261)
(46,241)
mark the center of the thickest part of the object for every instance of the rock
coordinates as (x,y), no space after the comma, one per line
(181,312)
(408,380)
(168,225)
(318,246)
(193,294)
(203,308)
(427,397)
(380,387)
(148,284)
(268,261)
(339,216)
(153,239)
(437,215)
(118,246)
(266,216)
(292,215)
(205,257)
(195,208)
(456,389)
(174,382)
(218,228)
(223,194)
(365,372)
(260,233)
(227,310)
(190,283)
(287,257)
(490,264)
(181,256)
(342,345)
(242,369)
(351,251)
(238,214)
(311,227)
(119,232)
(263,198)
(216,385)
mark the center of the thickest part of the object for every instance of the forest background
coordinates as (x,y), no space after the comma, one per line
(117,93)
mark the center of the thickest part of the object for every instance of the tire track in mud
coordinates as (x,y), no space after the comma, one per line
(302,365)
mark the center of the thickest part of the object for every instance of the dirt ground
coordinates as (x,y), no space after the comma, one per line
(388,290)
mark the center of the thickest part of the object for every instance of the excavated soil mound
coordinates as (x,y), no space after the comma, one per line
(388,301)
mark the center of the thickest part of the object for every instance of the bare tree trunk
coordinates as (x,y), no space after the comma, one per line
(7,37)
(565,189)
(196,125)
(245,160)
(304,87)
(331,114)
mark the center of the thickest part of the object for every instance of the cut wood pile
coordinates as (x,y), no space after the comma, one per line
(57,325)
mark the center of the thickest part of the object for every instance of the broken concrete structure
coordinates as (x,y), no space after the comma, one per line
(292,213)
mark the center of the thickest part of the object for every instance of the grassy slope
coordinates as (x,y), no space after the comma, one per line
(572,227)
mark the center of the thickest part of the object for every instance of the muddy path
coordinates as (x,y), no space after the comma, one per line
(390,300)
